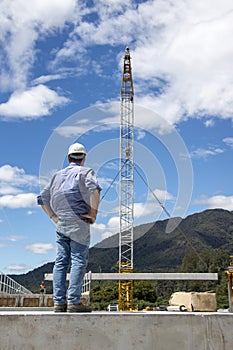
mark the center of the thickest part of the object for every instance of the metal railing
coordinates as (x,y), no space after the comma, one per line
(9,286)
(86,288)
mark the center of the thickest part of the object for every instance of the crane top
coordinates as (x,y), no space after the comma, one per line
(127,90)
(127,53)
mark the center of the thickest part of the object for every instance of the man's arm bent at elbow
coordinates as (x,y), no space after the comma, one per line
(48,210)
(94,203)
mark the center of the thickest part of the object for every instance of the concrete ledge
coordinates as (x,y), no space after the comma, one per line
(116,331)
(34,300)
(26,300)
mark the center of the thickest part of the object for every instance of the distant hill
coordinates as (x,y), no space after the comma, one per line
(154,249)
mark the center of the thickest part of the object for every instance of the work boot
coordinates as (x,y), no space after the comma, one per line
(60,308)
(78,308)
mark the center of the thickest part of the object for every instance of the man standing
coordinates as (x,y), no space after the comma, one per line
(71,200)
(42,288)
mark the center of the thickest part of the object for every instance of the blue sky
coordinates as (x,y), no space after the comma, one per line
(61,65)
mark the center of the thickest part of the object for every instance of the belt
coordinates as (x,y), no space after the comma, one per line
(86,220)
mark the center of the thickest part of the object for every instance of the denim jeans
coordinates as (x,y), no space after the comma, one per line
(76,253)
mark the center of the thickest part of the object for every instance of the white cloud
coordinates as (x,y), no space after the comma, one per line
(142,210)
(209,123)
(23,200)
(228,141)
(21,25)
(32,103)
(106,234)
(191,54)
(219,201)
(162,195)
(5,189)
(14,176)
(40,248)
(14,184)
(180,52)
(13,238)
(13,179)
(106,230)
(181,48)
(97,227)
(16,267)
(139,134)
(114,223)
(47,78)
(204,153)
(71,130)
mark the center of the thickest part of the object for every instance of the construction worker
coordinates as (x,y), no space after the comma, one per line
(42,287)
(71,201)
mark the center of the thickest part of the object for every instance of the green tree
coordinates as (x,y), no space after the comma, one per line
(145,290)
(212,260)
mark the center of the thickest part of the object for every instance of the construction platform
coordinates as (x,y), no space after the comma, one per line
(35,330)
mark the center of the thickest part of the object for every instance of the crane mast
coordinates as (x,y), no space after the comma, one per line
(125,288)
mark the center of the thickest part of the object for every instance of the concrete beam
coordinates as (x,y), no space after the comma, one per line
(145,276)
(27,330)
(154,276)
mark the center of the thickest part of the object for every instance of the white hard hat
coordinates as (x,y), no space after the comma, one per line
(77,150)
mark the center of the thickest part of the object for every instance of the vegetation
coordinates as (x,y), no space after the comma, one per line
(156,293)
(204,246)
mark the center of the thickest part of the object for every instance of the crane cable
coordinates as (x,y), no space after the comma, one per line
(162,206)
(170,217)
(113,181)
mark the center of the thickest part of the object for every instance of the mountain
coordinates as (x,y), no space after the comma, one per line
(154,249)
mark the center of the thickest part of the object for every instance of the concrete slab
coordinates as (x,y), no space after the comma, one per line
(34,330)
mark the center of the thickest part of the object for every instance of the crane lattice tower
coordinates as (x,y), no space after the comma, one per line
(126,184)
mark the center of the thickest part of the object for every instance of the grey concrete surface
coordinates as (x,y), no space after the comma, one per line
(36,330)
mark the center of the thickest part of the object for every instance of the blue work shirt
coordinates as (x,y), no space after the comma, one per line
(68,194)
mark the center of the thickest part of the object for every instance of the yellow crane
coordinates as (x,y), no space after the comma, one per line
(229,274)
